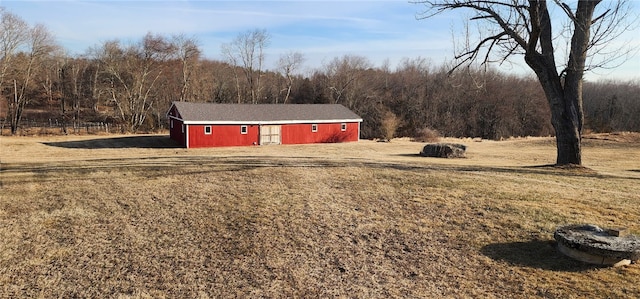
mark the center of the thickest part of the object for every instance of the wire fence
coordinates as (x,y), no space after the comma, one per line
(54,126)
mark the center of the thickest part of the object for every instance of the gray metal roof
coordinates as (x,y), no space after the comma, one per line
(263,113)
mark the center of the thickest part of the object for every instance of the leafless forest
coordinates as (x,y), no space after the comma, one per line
(130,85)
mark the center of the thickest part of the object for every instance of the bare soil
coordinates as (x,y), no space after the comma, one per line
(136,217)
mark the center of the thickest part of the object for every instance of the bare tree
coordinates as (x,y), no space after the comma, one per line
(228,52)
(189,53)
(288,64)
(78,78)
(248,49)
(130,75)
(49,80)
(14,32)
(36,46)
(527,28)
(343,76)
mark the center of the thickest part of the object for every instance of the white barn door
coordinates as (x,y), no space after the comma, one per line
(269,135)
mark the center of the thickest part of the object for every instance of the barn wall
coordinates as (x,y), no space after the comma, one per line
(327,133)
(175,132)
(222,135)
(229,135)
(175,126)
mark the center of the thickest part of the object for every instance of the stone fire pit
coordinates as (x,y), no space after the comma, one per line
(592,244)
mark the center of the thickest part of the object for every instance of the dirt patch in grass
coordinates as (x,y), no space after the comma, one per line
(87,216)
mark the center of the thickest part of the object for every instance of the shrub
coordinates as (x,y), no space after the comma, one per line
(427,135)
(390,124)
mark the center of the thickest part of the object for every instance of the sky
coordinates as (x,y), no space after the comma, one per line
(383,31)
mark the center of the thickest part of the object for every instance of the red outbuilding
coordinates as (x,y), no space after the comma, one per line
(209,125)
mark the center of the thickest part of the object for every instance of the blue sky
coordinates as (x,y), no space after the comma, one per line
(321,30)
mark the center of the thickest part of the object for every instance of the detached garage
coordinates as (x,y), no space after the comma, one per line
(209,125)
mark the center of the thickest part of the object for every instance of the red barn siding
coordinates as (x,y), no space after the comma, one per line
(175,131)
(326,133)
(230,135)
(222,135)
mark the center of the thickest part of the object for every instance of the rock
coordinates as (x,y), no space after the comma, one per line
(592,244)
(443,150)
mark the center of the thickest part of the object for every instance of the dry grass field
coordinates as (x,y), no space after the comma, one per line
(135,217)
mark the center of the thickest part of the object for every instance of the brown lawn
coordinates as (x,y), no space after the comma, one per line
(135,217)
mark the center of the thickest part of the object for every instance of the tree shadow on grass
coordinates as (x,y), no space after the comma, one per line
(551,169)
(144,141)
(535,254)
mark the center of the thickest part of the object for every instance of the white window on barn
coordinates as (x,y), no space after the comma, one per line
(243,130)
(343,127)
(171,124)
(314,128)
(207,130)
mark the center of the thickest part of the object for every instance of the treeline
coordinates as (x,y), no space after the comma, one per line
(133,84)
(612,106)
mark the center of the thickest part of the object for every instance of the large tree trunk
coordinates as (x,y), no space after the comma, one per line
(566,110)
(568,137)
(568,125)
(566,117)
